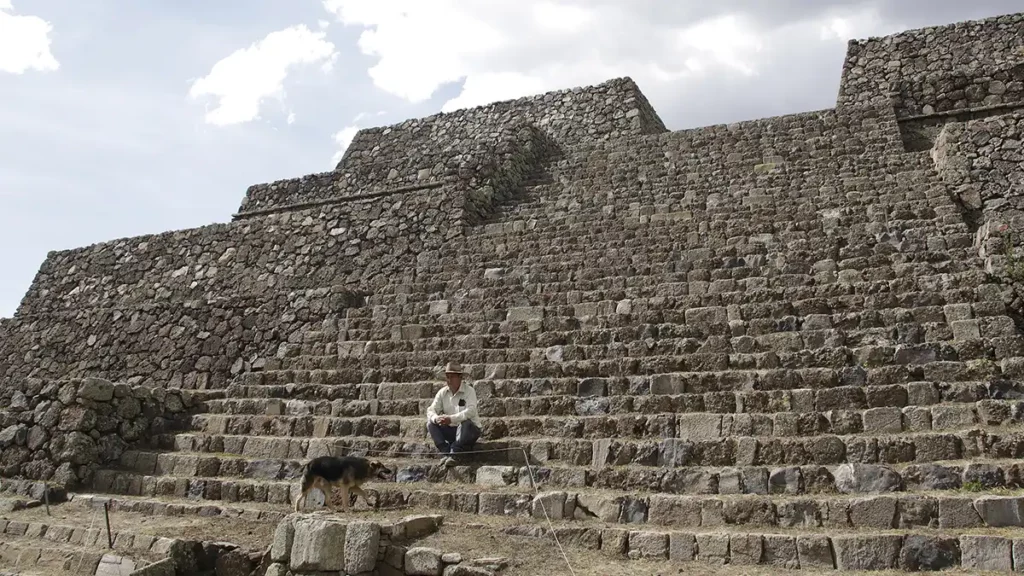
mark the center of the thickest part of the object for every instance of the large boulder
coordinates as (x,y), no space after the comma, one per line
(318,545)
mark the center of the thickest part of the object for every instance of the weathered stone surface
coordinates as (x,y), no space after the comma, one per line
(853,552)
(867,478)
(780,550)
(317,545)
(682,547)
(361,544)
(280,549)
(745,549)
(419,526)
(651,545)
(958,512)
(1000,511)
(922,553)
(713,549)
(549,505)
(986,553)
(423,562)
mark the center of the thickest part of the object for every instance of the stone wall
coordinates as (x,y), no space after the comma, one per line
(194,344)
(316,544)
(63,431)
(983,163)
(331,245)
(455,146)
(944,67)
(193,308)
(972,88)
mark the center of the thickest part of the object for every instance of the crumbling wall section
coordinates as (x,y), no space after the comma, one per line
(956,66)
(63,431)
(982,162)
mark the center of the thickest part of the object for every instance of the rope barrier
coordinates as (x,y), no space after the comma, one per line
(92,523)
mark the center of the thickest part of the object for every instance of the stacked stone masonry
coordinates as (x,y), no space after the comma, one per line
(791,341)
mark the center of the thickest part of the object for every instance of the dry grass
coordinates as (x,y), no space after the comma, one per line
(248,535)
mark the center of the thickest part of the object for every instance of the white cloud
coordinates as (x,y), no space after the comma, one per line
(867,22)
(726,40)
(343,138)
(561,18)
(485,88)
(24,42)
(504,49)
(244,79)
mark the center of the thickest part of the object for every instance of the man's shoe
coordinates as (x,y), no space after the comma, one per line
(447,461)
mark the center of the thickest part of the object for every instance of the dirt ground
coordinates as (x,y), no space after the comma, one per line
(248,535)
(470,535)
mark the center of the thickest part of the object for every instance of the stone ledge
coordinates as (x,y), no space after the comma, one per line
(336,200)
(906,551)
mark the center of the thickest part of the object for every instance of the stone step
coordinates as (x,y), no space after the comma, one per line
(889,365)
(604,312)
(243,511)
(666,300)
(728,552)
(540,213)
(598,419)
(981,341)
(921,447)
(616,309)
(535,328)
(23,556)
(915,241)
(779,390)
(568,396)
(834,512)
(910,232)
(723,283)
(992,338)
(951,288)
(750,253)
(550,204)
(968,476)
(57,547)
(697,290)
(614,222)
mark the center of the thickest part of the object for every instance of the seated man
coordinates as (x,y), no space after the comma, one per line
(452,418)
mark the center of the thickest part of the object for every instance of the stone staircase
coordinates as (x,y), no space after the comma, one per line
(825,380)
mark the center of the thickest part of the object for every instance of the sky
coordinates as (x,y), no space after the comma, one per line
(120,119)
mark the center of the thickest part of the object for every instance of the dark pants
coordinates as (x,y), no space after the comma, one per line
(451,440)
